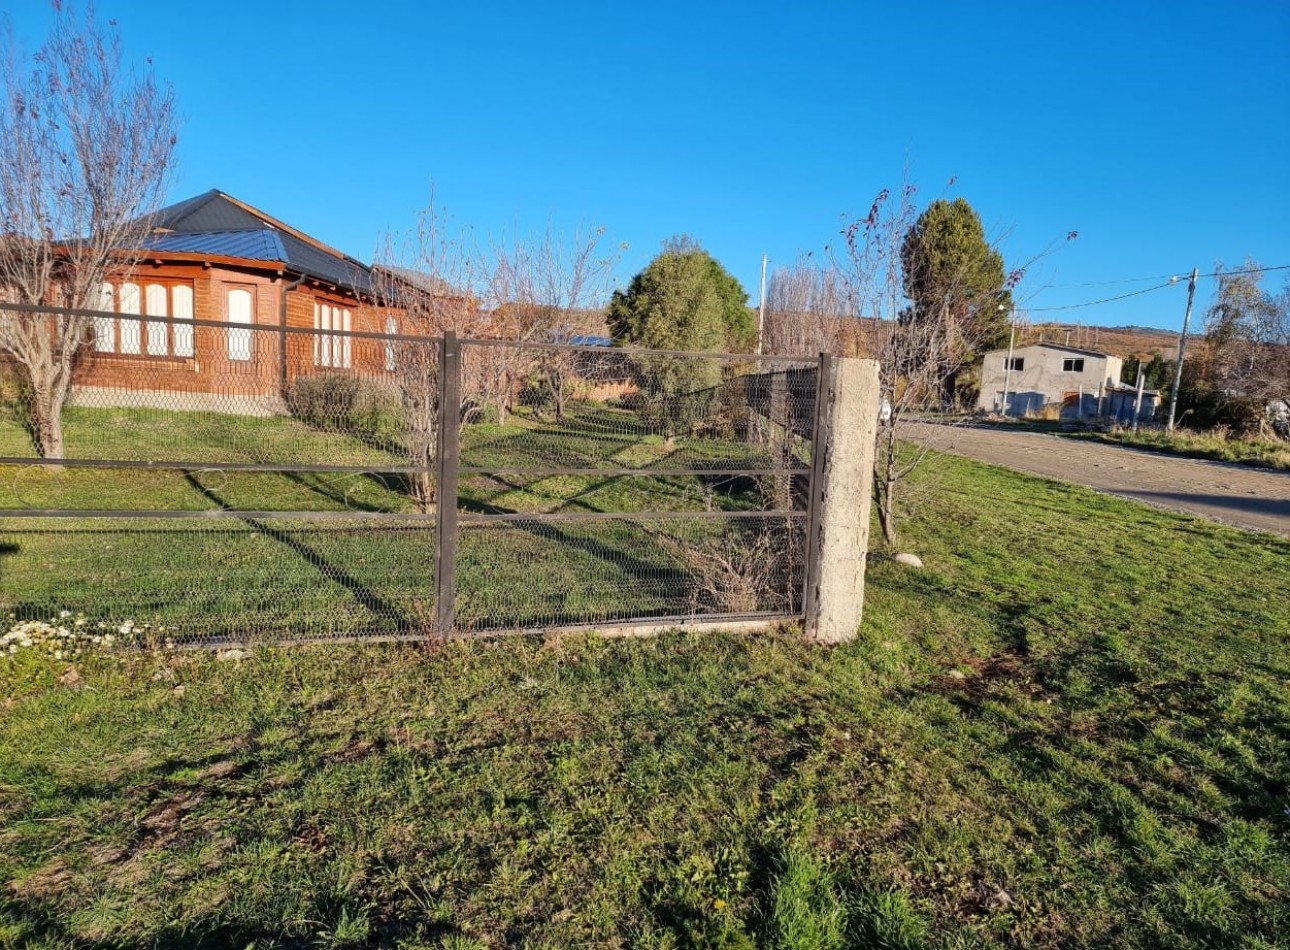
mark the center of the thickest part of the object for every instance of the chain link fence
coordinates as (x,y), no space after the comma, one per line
(232,482)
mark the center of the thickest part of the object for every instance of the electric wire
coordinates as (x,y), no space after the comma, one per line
(1094,303)
(1173,280)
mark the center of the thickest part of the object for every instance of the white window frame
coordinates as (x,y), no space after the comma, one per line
(130,300)
(126,336)
(181,296)
(391,328)
(331,350)
(105,327)
(345,348)
(239,340)
(156,303)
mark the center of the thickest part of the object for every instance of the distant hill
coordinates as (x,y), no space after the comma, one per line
(1117,341)
(852,334)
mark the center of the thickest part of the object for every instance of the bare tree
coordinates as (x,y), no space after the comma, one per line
(428,276)
(437,279)
(1247,337)
(86,150)
(807,312)
(915,355)
(548,289)
(872,272)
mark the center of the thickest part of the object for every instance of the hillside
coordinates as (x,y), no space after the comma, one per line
(854,336)
(1118,341)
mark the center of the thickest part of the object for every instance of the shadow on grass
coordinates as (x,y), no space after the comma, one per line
(619,557)
(330,488)
(363,594)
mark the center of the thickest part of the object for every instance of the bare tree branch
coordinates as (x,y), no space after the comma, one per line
(86,151)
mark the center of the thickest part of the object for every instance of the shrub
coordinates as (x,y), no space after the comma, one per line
(345,402)
(747,567)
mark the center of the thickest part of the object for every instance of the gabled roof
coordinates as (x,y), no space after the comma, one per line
(418,280)
(217,224)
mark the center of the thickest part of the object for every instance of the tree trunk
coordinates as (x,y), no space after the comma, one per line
(885,519)
(47,420)
(421,488)
(421,444)
(884,483)
(558,395)
(949,390)
(503,405)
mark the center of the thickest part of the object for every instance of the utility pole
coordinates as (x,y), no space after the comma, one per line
(1137,403)
(1182,349)
(761,307)
(1007,367)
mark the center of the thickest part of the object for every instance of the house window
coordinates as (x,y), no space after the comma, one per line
(330,349)
(130,338)
(157,303)
(391,327)
(1072,366)
(153,298)
(104,327)
(240,310)
(181,298)
(1015,364)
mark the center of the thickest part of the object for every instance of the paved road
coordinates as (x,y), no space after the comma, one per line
(1239,495)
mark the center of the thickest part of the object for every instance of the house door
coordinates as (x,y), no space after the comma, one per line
(240,310)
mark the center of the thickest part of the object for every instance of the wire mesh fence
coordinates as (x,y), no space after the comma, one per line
(229,481)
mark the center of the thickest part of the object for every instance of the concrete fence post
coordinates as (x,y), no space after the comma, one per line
(845,494)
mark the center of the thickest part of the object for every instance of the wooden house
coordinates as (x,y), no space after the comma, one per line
(215,258)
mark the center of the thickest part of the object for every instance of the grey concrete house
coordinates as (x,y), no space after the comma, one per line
(1085,383)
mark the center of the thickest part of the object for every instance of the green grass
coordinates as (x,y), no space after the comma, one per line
(1216,445)
(1072,729)
(276,578)
(593,437)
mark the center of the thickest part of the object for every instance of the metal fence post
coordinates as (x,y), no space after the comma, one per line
(447,461)
(819,446)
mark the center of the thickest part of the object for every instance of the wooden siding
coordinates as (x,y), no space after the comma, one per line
(210,369)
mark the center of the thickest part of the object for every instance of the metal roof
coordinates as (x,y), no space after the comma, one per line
(255,245)
(217,224)
(416,279)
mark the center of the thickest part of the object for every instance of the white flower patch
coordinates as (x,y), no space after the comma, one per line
(69,635)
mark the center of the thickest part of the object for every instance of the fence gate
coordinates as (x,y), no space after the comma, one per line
(239,483)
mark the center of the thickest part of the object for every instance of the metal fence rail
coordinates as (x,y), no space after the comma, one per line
(288,483)
(654,485)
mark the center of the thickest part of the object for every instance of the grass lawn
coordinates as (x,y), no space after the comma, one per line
(1217,446)
(279,578)
(1071,729)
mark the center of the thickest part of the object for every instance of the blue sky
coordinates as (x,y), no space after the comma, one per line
(1160,131)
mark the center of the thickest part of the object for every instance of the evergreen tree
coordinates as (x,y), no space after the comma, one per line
(957,288)
(683,300)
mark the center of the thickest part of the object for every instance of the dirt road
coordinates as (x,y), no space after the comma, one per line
(1239,495)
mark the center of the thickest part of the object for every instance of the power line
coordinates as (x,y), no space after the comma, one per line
(1138,280)
(1247,270)
(1172,281)
(1094,303)
(1107,283)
